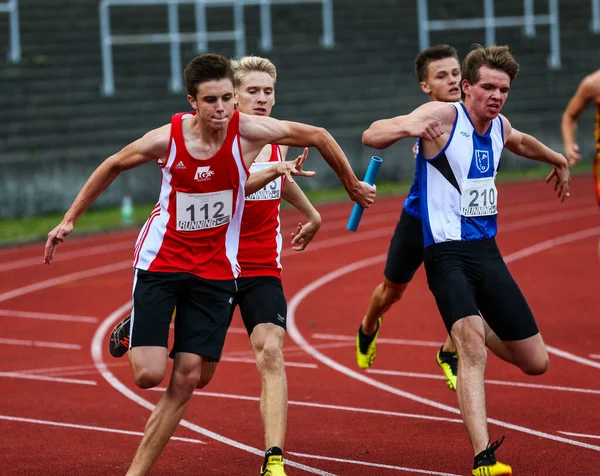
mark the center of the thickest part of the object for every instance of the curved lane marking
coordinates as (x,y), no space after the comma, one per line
(297,337)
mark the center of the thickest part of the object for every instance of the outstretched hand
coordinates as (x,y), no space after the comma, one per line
(294,167)
(562,180)
(304,235)
(56,236)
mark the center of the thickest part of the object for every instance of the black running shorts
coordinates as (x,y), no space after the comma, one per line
(470,278)
(203,312)
(406,250)
(261,301)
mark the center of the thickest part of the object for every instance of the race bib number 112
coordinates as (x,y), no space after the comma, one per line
(200,211)
(479,197)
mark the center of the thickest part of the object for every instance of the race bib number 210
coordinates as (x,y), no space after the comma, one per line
(199,211)
(479,197)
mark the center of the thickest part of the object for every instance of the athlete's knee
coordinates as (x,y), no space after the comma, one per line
(149,365)
(392,292)
(469,338)
(185,379)
(270,359)
(204,381)
(537,366)
(148,377)
(209,367)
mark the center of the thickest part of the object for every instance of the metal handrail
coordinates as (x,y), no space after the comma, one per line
(174,37)
(266,40)
(490,22)
(12,8)
(201,37)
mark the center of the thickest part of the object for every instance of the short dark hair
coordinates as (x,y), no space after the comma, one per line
(432,53)
(496,57)
(207,67)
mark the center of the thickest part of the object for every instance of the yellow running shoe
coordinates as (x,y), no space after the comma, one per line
(487,465)
(274,467)
(365,347)
(497,469)
(448,362)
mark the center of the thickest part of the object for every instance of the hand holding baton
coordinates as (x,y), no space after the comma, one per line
(370,175)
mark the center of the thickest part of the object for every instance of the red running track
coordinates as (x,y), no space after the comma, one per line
(68,408)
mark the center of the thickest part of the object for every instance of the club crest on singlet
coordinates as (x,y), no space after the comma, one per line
(200,211)
(203,173)
(482,160)
(271,191)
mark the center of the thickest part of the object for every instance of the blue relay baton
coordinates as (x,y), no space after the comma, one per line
(357,210)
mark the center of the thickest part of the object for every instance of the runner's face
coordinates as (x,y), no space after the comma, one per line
(443,80)
(214,103)
(256,94)
(487,96)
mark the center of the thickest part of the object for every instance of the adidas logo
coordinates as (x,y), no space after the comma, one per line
(180,166)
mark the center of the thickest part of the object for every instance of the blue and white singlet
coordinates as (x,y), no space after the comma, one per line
(459,200)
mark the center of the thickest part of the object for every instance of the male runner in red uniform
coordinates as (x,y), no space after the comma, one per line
(186,254)
(259,292)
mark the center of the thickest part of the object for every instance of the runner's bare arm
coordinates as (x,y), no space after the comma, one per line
(587,90)
(151,146)
(258,131)
(529,147)
(426,121)
(303,234)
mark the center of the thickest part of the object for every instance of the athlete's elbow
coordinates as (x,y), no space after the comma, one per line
(369,140)
(321,137)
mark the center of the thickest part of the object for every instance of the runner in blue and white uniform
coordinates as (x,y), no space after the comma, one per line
(458,157)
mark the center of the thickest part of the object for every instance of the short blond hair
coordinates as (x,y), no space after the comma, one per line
(249,64)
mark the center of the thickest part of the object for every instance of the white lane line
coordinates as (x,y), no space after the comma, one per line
(237,330)
(65,278)
(580,435)
(51,370)
(46,378)
(92,428)
(340,240)
(96,349)
(569,356)
(559,388)
(67,255)
(291,350)
(46,315)
(372,465)
(381,340)
(297,337)
(546,219)
(552,243)
(517,209)
(37,343)
(372,411)
(594,356)
(253,361)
